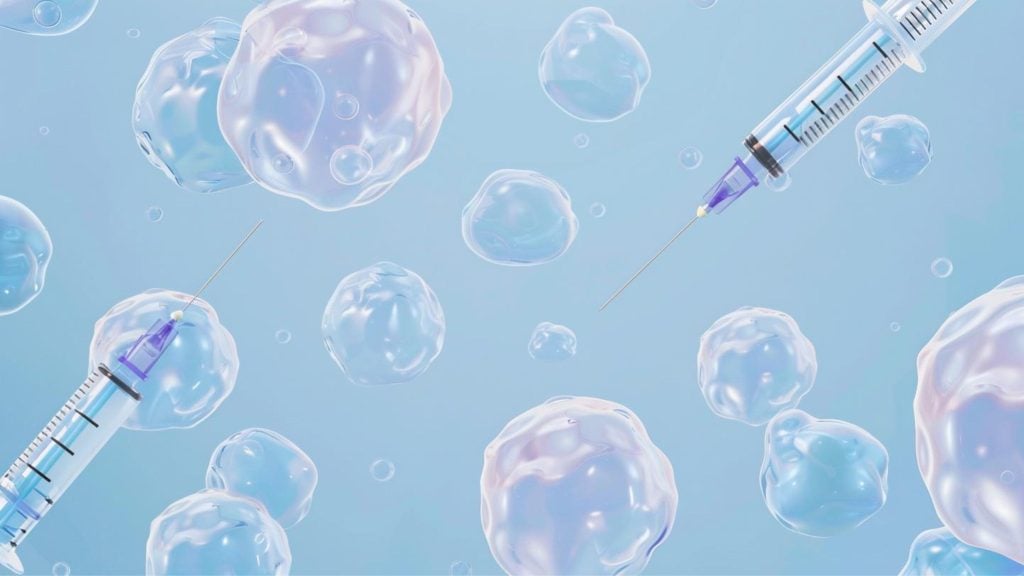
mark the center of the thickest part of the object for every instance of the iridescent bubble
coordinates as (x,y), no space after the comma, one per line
(691,158)
(597,210)
(196,373)
(893,149)
(61,569)
(822,477)
(576,486)
(519,218)
(216,532)
(581,140)
(175,110)
(154,213)
(969,414)
(135,33)
(753,363)
(383,325)
(25,251)
(461,568)
(937,552)
(267,467)
(592,69)
(45,17)
(778,183)
(552,342)
(283,336)
(382,470)
(942,267)
(704,4)
(314,77)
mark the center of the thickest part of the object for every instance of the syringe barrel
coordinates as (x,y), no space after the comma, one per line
(917,23)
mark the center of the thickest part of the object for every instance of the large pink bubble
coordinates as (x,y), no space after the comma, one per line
(969,413)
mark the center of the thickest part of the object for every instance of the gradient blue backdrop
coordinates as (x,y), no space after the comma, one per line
(841,254)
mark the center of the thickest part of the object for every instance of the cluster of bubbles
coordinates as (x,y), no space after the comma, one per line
(893,149)
(258,484)
(576,486)
(25,251)
(552,342)
(198,370)
(45,17)
(937,551)
(383,325)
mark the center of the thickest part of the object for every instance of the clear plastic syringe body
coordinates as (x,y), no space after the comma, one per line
(895,36)
(72,438)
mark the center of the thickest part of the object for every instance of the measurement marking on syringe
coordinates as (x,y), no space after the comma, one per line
(41,475)
(905,29)
(87,419)
(59,443)
(847,86)
(818,107)
(879,48)
(791,133)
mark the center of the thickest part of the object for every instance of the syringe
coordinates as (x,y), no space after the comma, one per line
(82,426)
(896,34)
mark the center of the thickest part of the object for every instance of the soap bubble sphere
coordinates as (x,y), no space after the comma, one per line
(690,157)
(893,149)
(576,486)
(196,373)
(937,552)
(597,210)
(942,267)
(382,470)
(45,17)
(552,342)
(969,415)
(332,101)
(267,467)
(592,69)
(753,363)
(44,130)
(175,111)
(822,477)
(283,336)
(154,213)
(61,569)
(519,218)
(25,250)
(383,325)
(216,532)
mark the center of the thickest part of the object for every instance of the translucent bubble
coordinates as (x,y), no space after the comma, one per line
(576,486)
(267,467)
(461,568)
(196,373)
(133,32)
(25,251)
(312,77)
(753,363)
(942,267)
(154,213)
(351,165)
(969,413)
(61,569)
(690,157)
(597,210)
(216,532)
(937,552)
(822,477)
(382,470)
(175,110)
(895,326)
(592,69)
(519,218)
(778,183)
(45,17)
(581,140)
(383,325)
(283,336)
(704,4)
(893,149)
(552,342)
(44,130)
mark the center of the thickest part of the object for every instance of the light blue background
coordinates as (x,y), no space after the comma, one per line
(841,254)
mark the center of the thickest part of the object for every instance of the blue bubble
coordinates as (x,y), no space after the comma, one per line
(25,251)
(598,210)
(383,325)
(175,111)
(753,363)
(691,157)
(592,69)
(382,470)
(45,17)
(893,149)
(942,267)
(552,342)
(61,569)
(283,336)
(154,213)
(822,477)
(267,467)
(519,218)
(937,552)
(216,532)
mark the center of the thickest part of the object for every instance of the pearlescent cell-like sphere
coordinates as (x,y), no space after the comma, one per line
(332,101)
(192,378)
(552,342)
(592,69)
(969,417)
(175,111)
(893,149)
(45,17)
(753,363)
(576,486)
(383,325)
(822,477)
(25,251)
(937,552)
(216,532)
(519,218)
(268,467)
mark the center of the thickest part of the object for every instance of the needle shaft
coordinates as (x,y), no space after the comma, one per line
(222,265)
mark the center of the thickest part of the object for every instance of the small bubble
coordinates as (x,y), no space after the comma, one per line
(346,106)
(133,32)
(43,130)
(895,327)
(155,213)
(597,210)
(581,140)
(778,183)
(283,163)
(283,336)
(704,4)
(1007,477)
(47,14)
(351,165)
(690,157)
(382,470)
(461,568)
(61,569)
(942,267)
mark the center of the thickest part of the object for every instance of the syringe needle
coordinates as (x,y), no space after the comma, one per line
(222,265)
(701,212)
